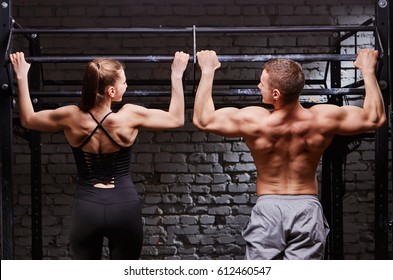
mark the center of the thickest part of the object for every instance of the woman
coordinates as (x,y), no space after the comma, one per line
(106,202)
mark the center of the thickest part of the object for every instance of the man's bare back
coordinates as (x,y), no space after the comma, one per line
(287,143)
(287,221)
(286,151)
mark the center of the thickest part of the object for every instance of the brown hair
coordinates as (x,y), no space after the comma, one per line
(287,76)
(99,74)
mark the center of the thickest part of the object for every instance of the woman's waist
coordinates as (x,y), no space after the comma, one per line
(122,190)
(120,179)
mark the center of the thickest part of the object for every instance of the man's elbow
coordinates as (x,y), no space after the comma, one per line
(24,124)
(378,122)
(198,123)
(382,121)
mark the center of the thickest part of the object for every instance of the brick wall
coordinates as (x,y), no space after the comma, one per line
(197,189)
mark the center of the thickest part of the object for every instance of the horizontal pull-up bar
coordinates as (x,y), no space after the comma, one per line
(325,91)
(297,57)
(146,30)
(167,82)
(275,29)
(135,30)
(219,92)
(168,58)
(87,58)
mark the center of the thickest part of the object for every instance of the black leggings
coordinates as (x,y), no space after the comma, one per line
(121,223)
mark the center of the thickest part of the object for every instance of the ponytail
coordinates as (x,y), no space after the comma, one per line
(99,74)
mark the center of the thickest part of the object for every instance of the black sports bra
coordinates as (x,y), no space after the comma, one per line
(103,168)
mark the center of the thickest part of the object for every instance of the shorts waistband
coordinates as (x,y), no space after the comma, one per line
(288,196)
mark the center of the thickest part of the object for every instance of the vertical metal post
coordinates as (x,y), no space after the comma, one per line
(36,204)
(381,138)
(332,179)
(6,104)
(35,149)
(391,116)
(332,195)
(337,180)
(326,199)
(194,65)
(337,203)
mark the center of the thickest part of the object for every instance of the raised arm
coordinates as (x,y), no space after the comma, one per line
(45,120)
(161,119)
(353,119)
(176,106)
(373,107)
(229,121)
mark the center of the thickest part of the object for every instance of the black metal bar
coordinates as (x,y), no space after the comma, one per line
(337,207)
(337,202)
(350,34)
(326,199)
(390,81)
(169,58)
(168,82)
(332,195)
(325,76)
(87,58)
(332,204)
(129,82)
(36,204)
(381,193)
(297,57)
(257,92)
(381,140)
(6,105)
(356,84)
(218,92)
(35,155)
(28,36)
(9,43)
(378,43)
(275,29)
(194,66)
(251,29)
(131,30)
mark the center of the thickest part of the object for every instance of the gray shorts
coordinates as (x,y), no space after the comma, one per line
(286,227)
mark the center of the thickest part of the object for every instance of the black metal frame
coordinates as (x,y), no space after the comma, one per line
(332,185)
(34,138)
(383,22)
(6,105)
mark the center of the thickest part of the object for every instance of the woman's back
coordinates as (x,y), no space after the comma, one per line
(104,135)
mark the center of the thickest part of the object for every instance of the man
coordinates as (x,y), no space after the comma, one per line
(286,143)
